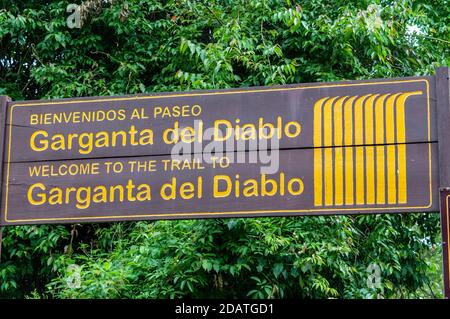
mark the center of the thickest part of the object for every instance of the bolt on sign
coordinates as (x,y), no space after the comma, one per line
(331,148)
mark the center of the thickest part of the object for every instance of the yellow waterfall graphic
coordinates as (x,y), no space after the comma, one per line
(359,150)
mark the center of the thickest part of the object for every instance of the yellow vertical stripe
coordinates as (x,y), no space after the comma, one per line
(338,134)
(328,155)
(380,158)
(339,176)
(370,159)
(379,119)
(391,175)
(381,180)
(401,158)
(359,150)
(348,140)
(401,147)
(338,153)
(317,140)
(359,162)
(359,121)
(390,120)
(390,149)
(370,175)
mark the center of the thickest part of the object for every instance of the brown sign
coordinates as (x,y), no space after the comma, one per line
(350,147)
(378,146)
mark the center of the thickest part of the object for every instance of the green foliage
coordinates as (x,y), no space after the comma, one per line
(320,257)
(143,46)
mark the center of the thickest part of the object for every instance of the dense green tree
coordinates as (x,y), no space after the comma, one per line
(141,46)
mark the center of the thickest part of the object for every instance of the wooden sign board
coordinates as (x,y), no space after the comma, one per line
(357,147)
(339,148)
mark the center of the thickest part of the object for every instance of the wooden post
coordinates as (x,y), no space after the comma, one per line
(443,112)
(445,195)
(1,237)
(3,112)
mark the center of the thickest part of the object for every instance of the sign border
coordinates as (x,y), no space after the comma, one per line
(217,214)
(3,113)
